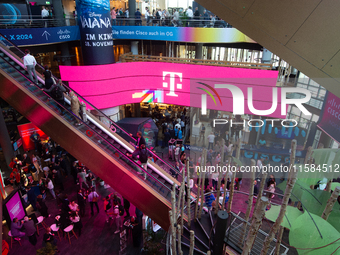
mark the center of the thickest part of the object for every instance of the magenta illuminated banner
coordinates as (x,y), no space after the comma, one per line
(107,86)
(330,120)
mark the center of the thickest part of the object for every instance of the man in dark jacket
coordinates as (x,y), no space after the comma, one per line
(81,203)
(30,230)
(56,91)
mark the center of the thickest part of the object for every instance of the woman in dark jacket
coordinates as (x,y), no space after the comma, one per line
(48,77)
(42,206)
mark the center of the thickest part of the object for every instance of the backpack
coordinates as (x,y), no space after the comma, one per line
(143,156)
(109,205)
(121,210)
(57,94)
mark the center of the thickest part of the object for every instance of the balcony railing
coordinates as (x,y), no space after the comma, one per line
(35,21)
(129,57)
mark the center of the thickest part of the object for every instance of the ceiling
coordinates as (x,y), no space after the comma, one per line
(304,33)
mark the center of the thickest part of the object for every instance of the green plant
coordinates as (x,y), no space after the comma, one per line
(153,241)
(49,249)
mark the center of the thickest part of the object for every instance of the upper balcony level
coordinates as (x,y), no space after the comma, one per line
(32,30)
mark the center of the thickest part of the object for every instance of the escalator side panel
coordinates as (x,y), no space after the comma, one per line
(94,157)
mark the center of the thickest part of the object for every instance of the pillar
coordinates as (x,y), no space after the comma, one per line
(137,110)
(221,228)
(132,10)
(95,31)
(266,56)
(134,47)
(58,13)
(65,54)
(199,51)
(5,141)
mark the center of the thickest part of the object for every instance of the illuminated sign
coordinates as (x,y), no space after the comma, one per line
(330,119)
(107,86)
(25,131)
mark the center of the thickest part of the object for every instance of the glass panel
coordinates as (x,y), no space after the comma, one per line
(295,111)
(311,82)
(303,78)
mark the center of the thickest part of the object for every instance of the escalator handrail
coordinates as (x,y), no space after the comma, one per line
(125,156)
(104,115)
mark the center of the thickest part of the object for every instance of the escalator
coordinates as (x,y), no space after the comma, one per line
(93,143)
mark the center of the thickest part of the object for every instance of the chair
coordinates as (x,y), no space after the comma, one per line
(40,220)
(10,234)
(54,228)
(68,230)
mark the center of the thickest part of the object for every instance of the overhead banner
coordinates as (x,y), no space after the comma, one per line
(95,30)
(181,34)
(108,86)
(330,119)
(33,36)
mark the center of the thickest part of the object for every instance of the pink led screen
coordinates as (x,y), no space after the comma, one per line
(111,85)
(15,208)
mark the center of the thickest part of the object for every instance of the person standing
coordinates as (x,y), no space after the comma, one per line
(147,16)
(45,15)
(107,207)
(93,199)
(48,77)
(75,106)
(113,16)
(30,230)
(30,63)
(81,203)
(82,178)
(50,186)
(138,17)
(190,15)
(126,207)
(56,91)
(118,219)
(211,139)
(196,17)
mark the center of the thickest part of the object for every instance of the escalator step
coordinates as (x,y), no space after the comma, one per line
(161,180)
(168,185)
(105,136)
(155,175)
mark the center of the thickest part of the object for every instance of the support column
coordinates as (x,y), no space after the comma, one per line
(58,13)
(5,140)
(132,10)
(134,47)
(95,31)
(199,51)
(65,54)
(221,228)
(136,110)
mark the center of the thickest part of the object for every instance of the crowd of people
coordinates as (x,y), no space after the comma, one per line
(159,17)
(46,168)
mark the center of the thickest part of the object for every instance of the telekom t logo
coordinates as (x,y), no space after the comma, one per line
(172,82)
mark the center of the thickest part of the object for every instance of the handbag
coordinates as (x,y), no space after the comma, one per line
(94,199)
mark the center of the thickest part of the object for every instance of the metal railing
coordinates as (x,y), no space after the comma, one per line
(240,221)
(36,21)
(129,57)
(113,126)
(96,137)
